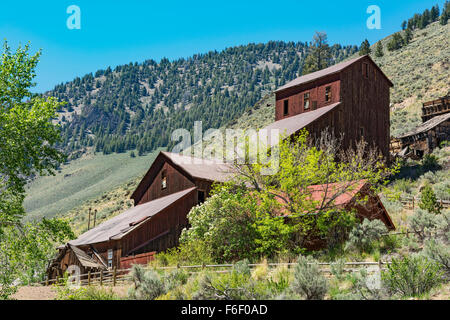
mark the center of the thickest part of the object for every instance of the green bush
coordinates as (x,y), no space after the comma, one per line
(438,252)
(423,224)
(364,234)
(66,292)
(148,285)
(308,281)
(192,253)
(430,163)
(411,276)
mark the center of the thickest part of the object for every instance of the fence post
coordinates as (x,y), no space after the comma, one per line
(413,203)
(114,276)
(101,277)
(89,277)
(203,265)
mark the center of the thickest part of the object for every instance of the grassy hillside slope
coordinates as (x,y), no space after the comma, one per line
(81,180)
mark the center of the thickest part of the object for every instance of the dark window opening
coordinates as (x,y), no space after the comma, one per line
(306,101)
(286,107)
(163,180)
(328,94)
(201,197)
(366,70)
(314,105)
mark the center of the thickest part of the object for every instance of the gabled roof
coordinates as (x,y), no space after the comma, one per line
(337,68)
(191,167)
(428,125)
(84,259)
(291,125)
(118,226)
(332,194)
(213,170)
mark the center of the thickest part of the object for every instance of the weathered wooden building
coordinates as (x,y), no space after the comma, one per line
(350,98)
(438,107)
(163,198)
(423,139)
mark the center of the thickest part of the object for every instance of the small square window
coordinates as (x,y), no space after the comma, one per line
(306,101)
(286,107)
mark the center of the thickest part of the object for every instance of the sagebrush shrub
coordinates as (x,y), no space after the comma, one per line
(411,276)
(364,234)
(423,224)
(308,281)
(439,252)
(148,285)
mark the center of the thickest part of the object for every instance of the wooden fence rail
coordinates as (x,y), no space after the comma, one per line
(112,277)
(412,203)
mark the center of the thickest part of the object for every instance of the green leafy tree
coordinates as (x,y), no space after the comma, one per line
(257,215)
(365,48)
(27,139)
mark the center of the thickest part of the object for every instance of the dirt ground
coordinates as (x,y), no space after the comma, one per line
(35,293)
(49,293)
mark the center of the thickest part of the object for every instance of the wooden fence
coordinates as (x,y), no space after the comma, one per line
(115,276)
(413,202)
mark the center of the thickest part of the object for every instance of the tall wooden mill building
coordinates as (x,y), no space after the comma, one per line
(350,98)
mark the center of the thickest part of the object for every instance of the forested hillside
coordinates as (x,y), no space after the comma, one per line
(137,106)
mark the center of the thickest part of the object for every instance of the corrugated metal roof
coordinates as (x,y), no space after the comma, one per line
(428,125)
(208,169)
(319,74)
(291,125)
(120,225)
(328,71)
(84,259)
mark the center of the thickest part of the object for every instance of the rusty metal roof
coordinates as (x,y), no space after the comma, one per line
(291,125)
(208,169)
(84,259)
(428,125)
(116,227)
(326,72)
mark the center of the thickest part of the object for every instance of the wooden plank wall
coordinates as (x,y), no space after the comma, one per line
(175,182)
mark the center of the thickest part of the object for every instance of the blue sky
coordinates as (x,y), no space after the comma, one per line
(117,32)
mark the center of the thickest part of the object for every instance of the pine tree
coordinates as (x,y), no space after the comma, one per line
(404,24)
(365,48)
(408,36)
(379,51)
(396,42)
(435,13)
(319,54)
(428,200)
(445,13)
